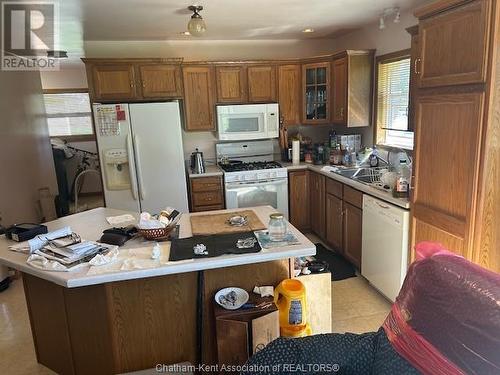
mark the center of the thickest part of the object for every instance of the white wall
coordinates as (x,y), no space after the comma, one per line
(393,38)
(69,77)
(210,49)
(25,152)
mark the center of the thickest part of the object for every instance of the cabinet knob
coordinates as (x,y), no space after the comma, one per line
(144,85)
(131,84)
(342,112)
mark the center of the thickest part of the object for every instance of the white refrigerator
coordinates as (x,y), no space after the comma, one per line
(141,156)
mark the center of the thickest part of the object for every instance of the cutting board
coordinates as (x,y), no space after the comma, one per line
(217,223)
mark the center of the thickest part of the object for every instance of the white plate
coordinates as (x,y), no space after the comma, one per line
(241,298)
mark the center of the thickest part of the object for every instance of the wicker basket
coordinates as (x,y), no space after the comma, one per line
(156,234)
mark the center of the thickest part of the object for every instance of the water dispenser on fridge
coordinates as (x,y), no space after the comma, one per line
(116,169)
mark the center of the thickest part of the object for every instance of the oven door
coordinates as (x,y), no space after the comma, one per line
(262,193)
(241,122)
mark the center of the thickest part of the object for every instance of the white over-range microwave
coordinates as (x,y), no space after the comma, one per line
(247,121)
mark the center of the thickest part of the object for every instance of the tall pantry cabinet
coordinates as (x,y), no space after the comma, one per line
(456,190)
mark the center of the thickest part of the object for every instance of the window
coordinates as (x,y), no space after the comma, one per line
(69,114)
(393,89)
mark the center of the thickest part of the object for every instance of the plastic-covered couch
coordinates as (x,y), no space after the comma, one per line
(446,320)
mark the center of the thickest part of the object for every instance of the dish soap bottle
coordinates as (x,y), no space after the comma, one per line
(402,187)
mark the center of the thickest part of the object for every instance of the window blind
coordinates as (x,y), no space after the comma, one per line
(392,94)
(68,114)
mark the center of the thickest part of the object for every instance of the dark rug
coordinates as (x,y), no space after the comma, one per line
(339,267)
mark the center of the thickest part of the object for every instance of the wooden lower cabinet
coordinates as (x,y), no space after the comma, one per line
(298,186)
(353,230)
(334,222)
(131,325)
(206,194)
(317,201)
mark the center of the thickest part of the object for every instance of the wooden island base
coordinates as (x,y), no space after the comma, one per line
(131,325)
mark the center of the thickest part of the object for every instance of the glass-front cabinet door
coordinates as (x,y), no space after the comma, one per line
(316,91)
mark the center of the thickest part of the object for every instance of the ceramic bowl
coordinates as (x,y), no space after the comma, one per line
(231,298)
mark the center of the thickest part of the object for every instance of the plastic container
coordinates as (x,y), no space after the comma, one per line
(296,331)
(290,297)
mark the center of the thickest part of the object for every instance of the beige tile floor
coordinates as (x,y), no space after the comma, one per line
(356,307)
(16,343)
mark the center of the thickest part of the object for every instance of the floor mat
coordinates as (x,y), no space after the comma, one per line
(339,267)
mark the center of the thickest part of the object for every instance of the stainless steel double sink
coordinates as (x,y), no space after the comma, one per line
(365,175)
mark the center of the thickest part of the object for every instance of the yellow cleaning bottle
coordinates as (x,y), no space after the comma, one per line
(290,298)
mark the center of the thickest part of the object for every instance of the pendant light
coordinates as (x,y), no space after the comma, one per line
(196,25)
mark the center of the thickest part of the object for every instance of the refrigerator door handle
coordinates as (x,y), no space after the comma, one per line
(131,169)
(139,171)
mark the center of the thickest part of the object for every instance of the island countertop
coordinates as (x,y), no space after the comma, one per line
(90,224)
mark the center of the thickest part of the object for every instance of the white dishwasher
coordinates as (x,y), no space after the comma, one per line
(384,245)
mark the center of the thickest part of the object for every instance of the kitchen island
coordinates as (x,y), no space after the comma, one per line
(127,320)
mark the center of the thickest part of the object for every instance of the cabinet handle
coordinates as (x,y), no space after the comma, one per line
(415,65)
(131,84)
(342,112)
(144,85)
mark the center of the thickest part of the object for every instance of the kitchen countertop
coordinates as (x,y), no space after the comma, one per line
(210,171)
(90,224)
(400,202)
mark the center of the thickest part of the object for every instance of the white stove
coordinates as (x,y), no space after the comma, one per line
(251,178)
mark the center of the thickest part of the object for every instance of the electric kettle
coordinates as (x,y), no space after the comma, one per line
(197,162)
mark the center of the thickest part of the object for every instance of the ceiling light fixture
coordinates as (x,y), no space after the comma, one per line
(308,30)
(196,25)
(389,12)
(397,17)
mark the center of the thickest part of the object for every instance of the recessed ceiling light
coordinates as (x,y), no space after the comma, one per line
(308,30)
(187,33)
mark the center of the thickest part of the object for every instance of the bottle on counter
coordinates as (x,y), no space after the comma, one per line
(402,186)
(373,158)
(332,138)
(336,155)
(346,156)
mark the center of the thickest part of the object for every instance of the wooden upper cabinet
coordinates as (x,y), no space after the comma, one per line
(339,91)
(261,83)
(231,84)
(316,93)
(414,56)
(160,81)
(289,93)
(113,82)
(352,80)
(447,143)
(453,45)
(198,98)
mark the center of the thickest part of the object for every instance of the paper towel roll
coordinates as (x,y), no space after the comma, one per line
(295,152)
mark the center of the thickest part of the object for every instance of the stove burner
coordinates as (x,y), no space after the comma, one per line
(238,167)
